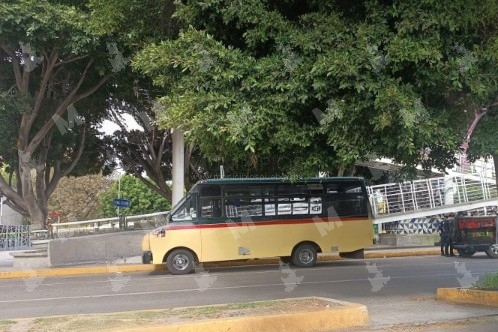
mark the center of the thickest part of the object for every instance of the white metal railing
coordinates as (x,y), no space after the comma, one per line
(428,194)
(385,199)
(483,168)
(14,237)
(113,224)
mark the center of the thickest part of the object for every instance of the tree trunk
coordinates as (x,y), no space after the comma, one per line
(37,214)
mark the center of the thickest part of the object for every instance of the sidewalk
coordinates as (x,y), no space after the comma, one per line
(134,264)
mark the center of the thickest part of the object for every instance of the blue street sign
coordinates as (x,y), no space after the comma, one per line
(121,202)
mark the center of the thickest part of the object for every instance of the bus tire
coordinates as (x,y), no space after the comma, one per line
(492,251)
(304,255)
(180,261)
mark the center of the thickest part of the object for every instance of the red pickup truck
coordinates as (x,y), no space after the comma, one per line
(472,234)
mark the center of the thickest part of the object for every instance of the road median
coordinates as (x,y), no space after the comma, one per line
(468,296)
(291,314)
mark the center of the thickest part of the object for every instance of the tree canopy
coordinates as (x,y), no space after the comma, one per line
(143,199)
(78,198)
(55,72)
(320,85)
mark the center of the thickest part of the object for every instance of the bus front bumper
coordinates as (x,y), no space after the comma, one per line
(146,257)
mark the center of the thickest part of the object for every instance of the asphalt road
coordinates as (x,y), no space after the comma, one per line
(395,290)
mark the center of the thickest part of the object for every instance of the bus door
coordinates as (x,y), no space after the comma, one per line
(230,221)
(216,241)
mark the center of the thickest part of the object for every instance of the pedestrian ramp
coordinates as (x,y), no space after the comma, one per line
(428,197)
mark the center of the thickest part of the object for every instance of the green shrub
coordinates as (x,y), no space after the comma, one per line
(489,281)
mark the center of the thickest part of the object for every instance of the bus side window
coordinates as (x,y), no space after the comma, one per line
(211,208)
(210,201)
(345,200)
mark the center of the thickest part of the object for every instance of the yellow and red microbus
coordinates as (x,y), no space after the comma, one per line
(234,219)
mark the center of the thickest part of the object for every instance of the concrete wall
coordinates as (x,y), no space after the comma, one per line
(10,217)
(102,248)
(400,240)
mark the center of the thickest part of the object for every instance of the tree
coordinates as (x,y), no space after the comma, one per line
(143,199)
(322,85)
(484,142)
(78,198)
(51,62)
(144,153)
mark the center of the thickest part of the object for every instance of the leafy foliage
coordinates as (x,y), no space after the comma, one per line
(143,199)
(78,198)
(51,62)
(323,85)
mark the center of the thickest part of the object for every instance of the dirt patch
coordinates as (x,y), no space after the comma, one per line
(143,319)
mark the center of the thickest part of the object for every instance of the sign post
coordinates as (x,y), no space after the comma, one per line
(121,203)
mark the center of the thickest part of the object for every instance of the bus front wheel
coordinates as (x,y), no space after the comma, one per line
(304,255)
(180,261)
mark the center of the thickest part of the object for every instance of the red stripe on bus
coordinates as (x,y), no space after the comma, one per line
(264,223)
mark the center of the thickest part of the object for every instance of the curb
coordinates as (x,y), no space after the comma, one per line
(339,315)
(384,254)
(73,271)
(468,296)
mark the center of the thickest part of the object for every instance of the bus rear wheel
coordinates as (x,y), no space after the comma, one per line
(180,261)
(492,251)
(304,255)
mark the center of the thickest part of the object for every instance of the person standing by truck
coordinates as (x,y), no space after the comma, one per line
(444,233)
(451,232)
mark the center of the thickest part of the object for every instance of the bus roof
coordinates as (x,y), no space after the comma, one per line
(279,180)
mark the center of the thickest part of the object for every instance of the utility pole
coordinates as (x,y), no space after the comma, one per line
(178,165)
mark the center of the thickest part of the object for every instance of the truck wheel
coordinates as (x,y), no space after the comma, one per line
(180,261)
(492,251)
(304,255)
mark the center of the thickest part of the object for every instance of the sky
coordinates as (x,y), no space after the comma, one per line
(109,127)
